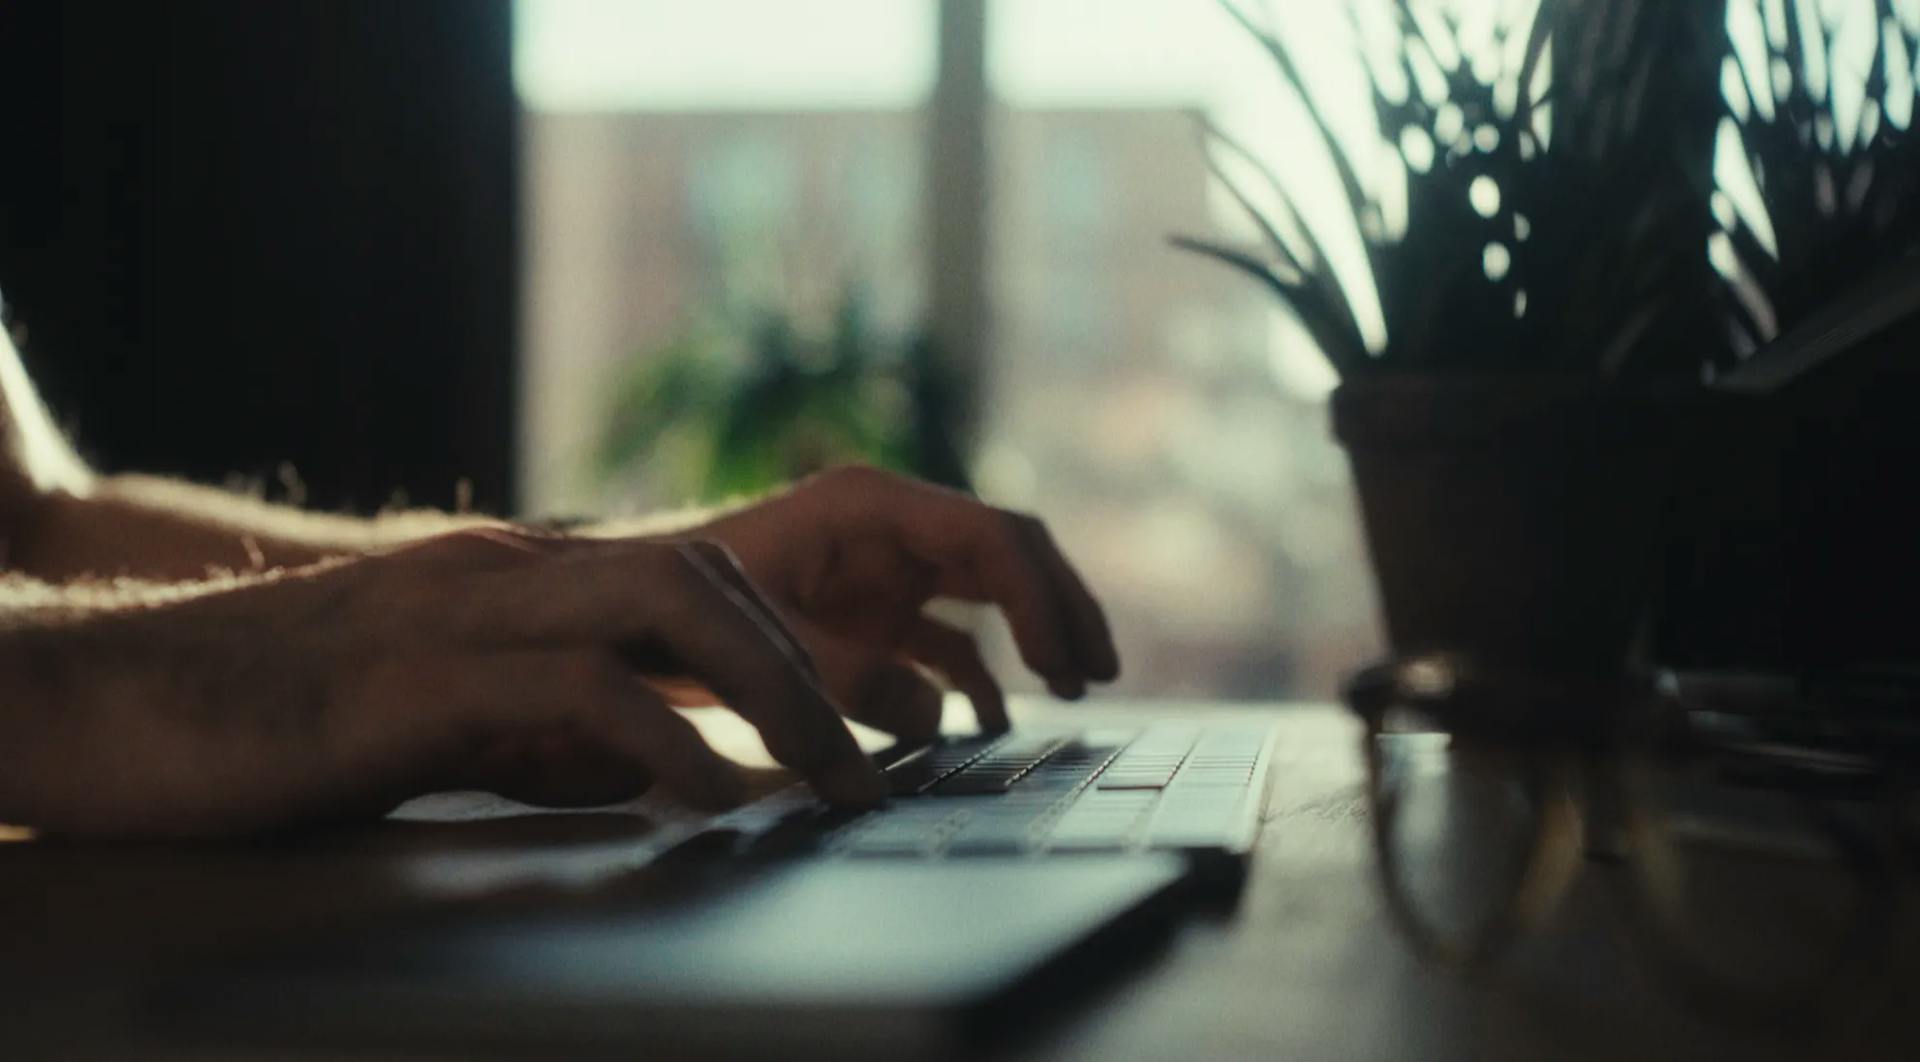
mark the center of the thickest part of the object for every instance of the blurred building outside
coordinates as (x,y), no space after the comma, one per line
(1157,411)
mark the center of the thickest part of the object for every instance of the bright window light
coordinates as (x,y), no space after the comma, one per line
(611,55)
(1066,53)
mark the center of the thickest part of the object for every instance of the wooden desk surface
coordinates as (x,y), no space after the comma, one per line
(1307,966)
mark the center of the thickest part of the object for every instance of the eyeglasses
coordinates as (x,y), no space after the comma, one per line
(1762,867)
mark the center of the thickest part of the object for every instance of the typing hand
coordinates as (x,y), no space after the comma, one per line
(851,557)
(481,658)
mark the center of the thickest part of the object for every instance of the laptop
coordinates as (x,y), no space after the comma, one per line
(1006,869)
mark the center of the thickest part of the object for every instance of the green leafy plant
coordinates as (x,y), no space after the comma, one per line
(1837,188)
(740,403)
(1556,202)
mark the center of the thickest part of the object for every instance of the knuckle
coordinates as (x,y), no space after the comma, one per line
(851,476)
(476,546)
(1025,524)
(591,677)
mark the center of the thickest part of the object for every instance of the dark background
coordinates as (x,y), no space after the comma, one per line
(241,233)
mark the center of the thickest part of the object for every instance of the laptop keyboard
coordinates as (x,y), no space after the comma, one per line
(1168,786)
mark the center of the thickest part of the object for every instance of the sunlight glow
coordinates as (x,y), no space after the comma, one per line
(1295,360)
(1898,96)
(1417,148)
(1733,174)
(1813,44)
(1855,38)
(765,54)
(1484,194)
(27,430)
(1750,50)
(1733,89)
(1776,20)
(598,55)
(1496,260)
(1908,12)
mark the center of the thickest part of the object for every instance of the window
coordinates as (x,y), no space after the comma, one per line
(1164,415)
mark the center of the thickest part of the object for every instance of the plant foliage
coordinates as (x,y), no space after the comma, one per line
(1561,202)
(737,405)
(1820,118)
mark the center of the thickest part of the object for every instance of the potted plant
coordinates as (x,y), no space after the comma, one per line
(1547,308)
(1566,313)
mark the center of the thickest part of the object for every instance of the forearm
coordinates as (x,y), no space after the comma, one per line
(38,627)
(68,660)
(160,529)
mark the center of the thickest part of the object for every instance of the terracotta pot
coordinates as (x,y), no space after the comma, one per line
(1516,520)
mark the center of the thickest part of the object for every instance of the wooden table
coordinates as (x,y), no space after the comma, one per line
(1308,965)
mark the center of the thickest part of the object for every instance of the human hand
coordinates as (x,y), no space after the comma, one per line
(493,659)
(851,557)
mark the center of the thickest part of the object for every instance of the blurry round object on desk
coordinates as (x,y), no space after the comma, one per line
(1768,879)
(1477,833)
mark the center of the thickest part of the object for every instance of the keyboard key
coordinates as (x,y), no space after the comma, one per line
(1082,832)
(916,775)
(1208,780)
(1026,749)
(1134,780)
(996,772)
(1039,782)
(1117,800)
(976,783)
(912,777)
(1013,795)
(993,835)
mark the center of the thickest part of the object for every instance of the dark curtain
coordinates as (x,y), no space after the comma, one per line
(242,234)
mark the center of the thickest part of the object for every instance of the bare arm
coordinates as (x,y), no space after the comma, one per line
(479,659)
(290,688)
(162,529)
